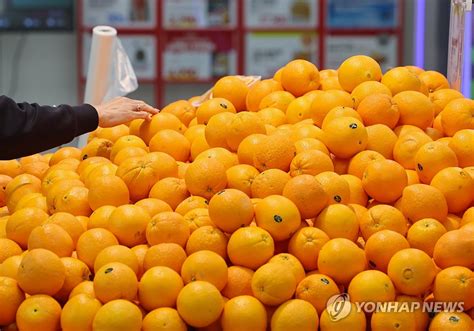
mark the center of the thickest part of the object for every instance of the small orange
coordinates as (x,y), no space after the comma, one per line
(433,157)
(382,217)
(406,147)
(423,201)
(366,89)
(51,237)
(250,247)
(307,194)
(258,91)
(242,125)
(341,259)
(306,144)
(107,190)
(325,101)
(162,280)
(241,177)
(200,304)
(97,147)
(452,249)
(205,177)
(38,311)
(76,273)
(73,201)
(277,99)
(65,153)
(434,80)
(441,97)
(34,278)
(168,318)
(128,223)
(216,130)
(114,281)
(298,110)
(338,221)
(451,321)
(359,162)
(172,143)
(116,253)
(161,121)
(167,255)
(272,116)
(415,109)
(233,89)
(371,286)
(11,297)
(197,218)
(381,246)
(311,162)
(457,187)
(91,242)
(358,69)
(269,182)
(455,284)
(275,151)
(384,180)
(239,282)
(424,234)
(457,115)
(339,111)
(462,144)
(171,190)
(335,186)
(295,315)
(85,287)
(357,193)
(9,267)
(78,313)
(355,320)
(317,289)
(195,131)
(153,206)
(306,244)
(100,217)
(272,284)
(330,83)
(207,238)
(248,147)
(230,209)
(345,136)
(412,271)
(167,227)
(114,132)
(244,313)
(205,266)
(191,203)
(182,109)
(401,79)
(211,107)
(22,222)
(299,77)
(116,315)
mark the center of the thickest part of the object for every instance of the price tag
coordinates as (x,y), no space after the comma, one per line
(281,13)
(375,14)
(184,14)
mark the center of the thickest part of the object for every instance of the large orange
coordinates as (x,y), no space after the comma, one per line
(205,266)
(207,238)
(167,227)
(306,244)
(277,99)
(126,141)
(171,190)
(73,201)
(311,162)
(107,190)
(345,136)
(274,151)
(317,289)
(452,249)
(11,297)
(415,109)
(78,313)
(424,234)
(366,89)
(382,217)
(401,79)
(97,147)
(269,182)
(299,77)
(200,304)
(21,223)
(116,315)
(423,201)
(116,253)
(457,115)
(433,157)
(455,284)
(451,321)
(244,313)
(217,128)
(295,315)
(76,273)
(338,221)
(341,259)
(114,281)
(307,194)
(65,153)
(272,284)
(241,177)
(371,286)
(166,164)
(182,109)
(258,91)
(92,242)
(323,102)
(440,98)
(250,247)
(53,238)
(128,223)
(434,80)
(239,282)
(412,271)
(230,209)
(34,278)
(356,70)
(335,186)
(205,177)
(406,147)
(10,168)
(172,143)
(233,89)
(457,187)
(384,180)
(38,311)
(212,107)
(162,280)
(159,122)
(166,317)
(139,174)
(167,255)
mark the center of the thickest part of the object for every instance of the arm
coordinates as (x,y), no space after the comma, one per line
(30,128)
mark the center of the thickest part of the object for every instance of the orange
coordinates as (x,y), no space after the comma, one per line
(415,109)
(153,206)
(357,193)
(406,147)
(424,234)
(205,266)
(345,136)
(379,109)
(278,215)
(416,70)
(97,147)
(452,249)
(205,177)
(274,151)
(393,320)
(73,201)
(34,278)
(356,70)
(22,222)
(9,267)
(247,148)
(197,218)
(384,180)
(217,128)
(338,221)
(381,246)
(207,238)
(167,227)
(339,111)
(37,169)
(341,259)
(468,216)
(58,175)
(317,289)
(298,110)
(258,91)
(107,190)
(355,320)
(113,133)
(277,75)
(434,80)
(11,168)
(36,200)
(451,321)
(118,315)
(330,83)
(51,237)
(335,186)
(195,131)
(91,243)
(159,122)
(272,284)
(76,273)
(127,153)
(244,313)
(307,194)
(182,109)
(116,253)
(100,217)
(20,186)
(163,319)
(78,313)
(441,97)
(162,280)
(323,102)
(198,146)
(241,177)
(170,190)
(167,255)
(306,144)
(457,115)
(239,282)
(191,203)
(114,281)
(85,287)
(242,125)
(423,201)
(401,79)
(4,180)
(12,297)
(128,223)
(299,77)
(412,271)
(433,157)
(371,286)
(250,247)
(359,162)
(277,99)
(457,187)
(382,217)
(212,107)
(452,222)
(38,312)
(421,316)
(290,262)
(269,182)
(310,162)
(233,89)
(172,143)
(65,153)
(230,209)
(126,141)
(455,284)
(228,159)
(200,304)
(462,144)
(272,116)
(366,89)
(306,244)
(295,315)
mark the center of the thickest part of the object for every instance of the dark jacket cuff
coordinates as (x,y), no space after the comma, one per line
(87,118)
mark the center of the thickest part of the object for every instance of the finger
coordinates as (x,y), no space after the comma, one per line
(149,109)
(142,114)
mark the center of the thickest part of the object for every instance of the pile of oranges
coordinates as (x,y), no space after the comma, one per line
(252,210)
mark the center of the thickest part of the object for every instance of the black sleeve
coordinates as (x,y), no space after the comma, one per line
(26,128)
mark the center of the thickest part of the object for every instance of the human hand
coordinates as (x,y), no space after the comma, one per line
(122,110)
